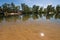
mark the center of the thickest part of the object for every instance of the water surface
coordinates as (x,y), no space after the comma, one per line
(30,27)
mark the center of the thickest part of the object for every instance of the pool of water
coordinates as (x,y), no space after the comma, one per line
(30,27)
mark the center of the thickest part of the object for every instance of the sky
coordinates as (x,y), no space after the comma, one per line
(30,3)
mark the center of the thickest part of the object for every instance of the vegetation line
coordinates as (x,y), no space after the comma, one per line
(11,9)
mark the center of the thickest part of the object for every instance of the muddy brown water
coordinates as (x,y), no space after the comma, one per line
(31,29)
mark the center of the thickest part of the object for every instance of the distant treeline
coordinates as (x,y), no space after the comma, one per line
(12,8)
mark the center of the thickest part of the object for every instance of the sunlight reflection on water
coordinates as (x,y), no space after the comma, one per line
(42,34)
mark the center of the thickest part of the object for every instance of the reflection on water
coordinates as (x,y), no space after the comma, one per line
(1,19)
(57,16)
(30,27)
(42,34)
(32,16)
(12,18)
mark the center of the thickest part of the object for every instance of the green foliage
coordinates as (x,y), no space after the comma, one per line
(25,8)
(9,8)
(50,8)
(0,9)
(41,10)
(45,10)
(58,8)
(35,9)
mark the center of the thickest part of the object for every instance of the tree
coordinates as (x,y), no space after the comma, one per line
(12,7)
(0,9)
(23,5)
(25,8)
(50,9)
(1,12)
(41,10)
(45,10)
(35,9)
(53,9)
(5,7)
(17,8)
(58,9)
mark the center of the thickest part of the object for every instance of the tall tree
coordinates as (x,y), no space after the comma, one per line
(45,10)
(25,8)
(41,10)
(58,8)
(12,7)
(5,7)
(0,9)
(17,8)
(50,9)
(35,9)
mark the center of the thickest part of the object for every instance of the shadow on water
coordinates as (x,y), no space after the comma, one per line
(49,16)
(40,15)
(35,16)
(57,16)
(11,18)
(1,19)
(26,17)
